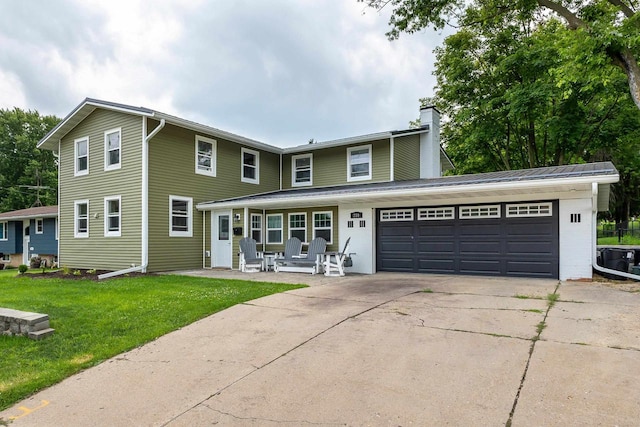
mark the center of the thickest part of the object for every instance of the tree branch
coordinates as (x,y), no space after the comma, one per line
(571,18)
(623,7)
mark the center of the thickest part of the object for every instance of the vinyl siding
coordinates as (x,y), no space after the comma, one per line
(406,158)
(97,251)
(172,172)
(330,165)
(45,243)
(13,244)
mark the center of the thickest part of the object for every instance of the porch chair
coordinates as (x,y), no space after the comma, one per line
(292,249)
(334,262)
(251,261)
(311,263)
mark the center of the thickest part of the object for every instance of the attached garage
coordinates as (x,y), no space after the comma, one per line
(503,239)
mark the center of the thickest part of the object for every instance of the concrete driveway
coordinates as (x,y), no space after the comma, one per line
(388,349)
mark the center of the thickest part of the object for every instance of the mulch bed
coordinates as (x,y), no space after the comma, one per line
(80,274)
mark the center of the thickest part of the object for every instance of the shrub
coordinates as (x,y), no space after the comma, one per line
(35,262)
(22,268)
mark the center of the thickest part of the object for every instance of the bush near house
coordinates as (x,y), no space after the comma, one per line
(96,320)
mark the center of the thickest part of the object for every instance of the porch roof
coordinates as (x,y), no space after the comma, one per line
(531,181)
(37,212)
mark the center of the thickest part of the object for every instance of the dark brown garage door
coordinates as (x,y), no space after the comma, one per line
(505,239)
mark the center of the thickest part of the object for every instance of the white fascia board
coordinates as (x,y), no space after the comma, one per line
(338,142)
(410,193)
(20,218)
(208,130)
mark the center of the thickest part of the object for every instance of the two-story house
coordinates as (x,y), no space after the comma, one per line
(142,188)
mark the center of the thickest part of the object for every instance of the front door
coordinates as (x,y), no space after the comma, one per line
(221,239)
(26,241)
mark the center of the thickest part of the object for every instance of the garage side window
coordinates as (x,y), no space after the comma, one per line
(475,212)
(529,210)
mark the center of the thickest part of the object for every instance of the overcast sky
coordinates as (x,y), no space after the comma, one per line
(279,71)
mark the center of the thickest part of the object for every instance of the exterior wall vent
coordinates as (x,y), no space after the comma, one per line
(576,218)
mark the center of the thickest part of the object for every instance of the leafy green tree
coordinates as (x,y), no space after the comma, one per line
(22,165)
(607,31)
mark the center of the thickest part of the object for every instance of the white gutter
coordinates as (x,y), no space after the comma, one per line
(594,234)
(491,187)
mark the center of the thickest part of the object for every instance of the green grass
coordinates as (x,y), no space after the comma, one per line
(626,240)
(97,320)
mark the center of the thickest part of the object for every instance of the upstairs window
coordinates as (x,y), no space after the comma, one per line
(301,170)
(112,215)
(4,231)
(81,154)
(180,216)
(81,219)
(323,226)
(206,156)
(359,163)
(250,166)
(112,149)
(39,225)
(298,226)
(256,227)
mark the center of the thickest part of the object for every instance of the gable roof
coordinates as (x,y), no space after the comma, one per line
(37,212)
(491,183)
(89,105)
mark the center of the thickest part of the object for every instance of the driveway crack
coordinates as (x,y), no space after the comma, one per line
(552,298)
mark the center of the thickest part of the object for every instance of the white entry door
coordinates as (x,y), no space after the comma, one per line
(26,242)
(221,239)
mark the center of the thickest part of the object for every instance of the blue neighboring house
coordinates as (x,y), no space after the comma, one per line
(28,233)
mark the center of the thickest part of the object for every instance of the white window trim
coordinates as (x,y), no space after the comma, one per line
(214,151)
(108,233)
(281,229)
(252,229)
(57,225)
(523,210)
(77,234)
(299,228)
(41,221)
(293,170)
(189,232)
(5,231)
(359,178)
(330,241)
(436,214)
(257,166)
(76,172)
(107,166)
(479,212)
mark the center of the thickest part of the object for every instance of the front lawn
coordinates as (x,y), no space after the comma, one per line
(94,321)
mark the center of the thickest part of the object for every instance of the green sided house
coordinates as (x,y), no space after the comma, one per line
(145,190)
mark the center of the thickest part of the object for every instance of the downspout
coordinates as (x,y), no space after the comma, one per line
(204,238)
(391,155)
(145,204)
(57,156)
(594,234)
(280,172)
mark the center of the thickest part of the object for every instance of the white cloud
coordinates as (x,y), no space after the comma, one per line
(281,71)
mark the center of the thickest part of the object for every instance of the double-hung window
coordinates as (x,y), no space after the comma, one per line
(274,228)
(112,216)
(205,156)
(112,149)
(81,155)
(250,166)
(180,216)
(323,225)
(256,227)
(298,226)
(359,163)
(81,219)
(4,230)
(39,225)
(302,170)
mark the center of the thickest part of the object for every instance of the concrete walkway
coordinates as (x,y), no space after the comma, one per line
(387,349)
